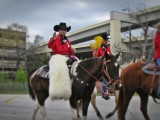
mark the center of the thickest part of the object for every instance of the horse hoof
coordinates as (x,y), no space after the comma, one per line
(101,118)
(108,115)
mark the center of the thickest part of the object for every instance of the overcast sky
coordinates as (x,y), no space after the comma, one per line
(41,15)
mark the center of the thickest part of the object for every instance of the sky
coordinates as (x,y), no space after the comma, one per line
(40,16)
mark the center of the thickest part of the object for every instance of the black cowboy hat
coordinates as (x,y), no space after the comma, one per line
(62,25)
(105,36)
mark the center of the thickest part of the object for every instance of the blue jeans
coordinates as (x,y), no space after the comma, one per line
(158,62)
(104,83)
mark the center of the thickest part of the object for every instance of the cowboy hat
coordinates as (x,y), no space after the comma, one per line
(62,25)
(105,36)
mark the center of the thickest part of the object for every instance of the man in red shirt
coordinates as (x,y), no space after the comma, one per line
(60,43)
(157,52)
(100,52)
(157,45)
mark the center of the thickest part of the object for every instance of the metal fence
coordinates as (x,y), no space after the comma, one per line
(13,87)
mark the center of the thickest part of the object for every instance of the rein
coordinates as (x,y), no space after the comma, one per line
(88,73)
(106,73)
(97,80)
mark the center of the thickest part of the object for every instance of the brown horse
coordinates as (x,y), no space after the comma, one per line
(133,80)
(83,76)
(116,85)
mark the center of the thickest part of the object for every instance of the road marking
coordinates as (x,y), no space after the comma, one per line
(10,99)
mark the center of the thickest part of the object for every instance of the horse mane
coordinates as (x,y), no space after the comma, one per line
(134,65)
(88,61)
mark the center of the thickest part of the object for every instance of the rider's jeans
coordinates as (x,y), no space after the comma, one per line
(158,62)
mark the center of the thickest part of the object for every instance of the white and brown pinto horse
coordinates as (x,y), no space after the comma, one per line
(80,82)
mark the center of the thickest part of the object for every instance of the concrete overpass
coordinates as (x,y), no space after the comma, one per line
(119,22)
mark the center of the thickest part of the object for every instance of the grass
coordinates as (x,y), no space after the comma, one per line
(13,92)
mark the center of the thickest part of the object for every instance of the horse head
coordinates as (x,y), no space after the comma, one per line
(111,69)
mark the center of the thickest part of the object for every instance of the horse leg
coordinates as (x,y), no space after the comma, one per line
(144,102)
(93,102)
(85,104)
(116,107)
(43,112)
(41,97)
(74,108)
(36,108)
(127,95)
(79,107)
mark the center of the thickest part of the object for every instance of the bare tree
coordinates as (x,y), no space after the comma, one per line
(145,29)
(35,60)
(38,40)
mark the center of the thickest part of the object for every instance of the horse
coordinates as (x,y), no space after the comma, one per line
(114,86)
(117,84)
(112,72)
(133,80)
(83,76)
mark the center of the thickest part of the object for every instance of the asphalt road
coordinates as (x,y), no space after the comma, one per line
(20,107)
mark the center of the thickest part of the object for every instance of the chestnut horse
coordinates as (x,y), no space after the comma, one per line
(133,80)
(83,76)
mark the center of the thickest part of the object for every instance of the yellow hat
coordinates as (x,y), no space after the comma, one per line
(98,42)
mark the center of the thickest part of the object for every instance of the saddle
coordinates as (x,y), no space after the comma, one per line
(151,68)
(43,72)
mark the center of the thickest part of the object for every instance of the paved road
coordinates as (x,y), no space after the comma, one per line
(20,107)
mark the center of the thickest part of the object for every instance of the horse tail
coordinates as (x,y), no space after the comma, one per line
(31,93)
(120,99)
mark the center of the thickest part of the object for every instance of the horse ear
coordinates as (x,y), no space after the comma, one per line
(117,55)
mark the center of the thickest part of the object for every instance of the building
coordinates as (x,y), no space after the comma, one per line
(12,49)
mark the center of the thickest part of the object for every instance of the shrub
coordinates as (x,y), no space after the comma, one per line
(4,76)
(21,75)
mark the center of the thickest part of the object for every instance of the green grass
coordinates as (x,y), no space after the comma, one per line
(13,92)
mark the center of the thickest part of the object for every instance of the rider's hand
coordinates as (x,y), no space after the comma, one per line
(54,36)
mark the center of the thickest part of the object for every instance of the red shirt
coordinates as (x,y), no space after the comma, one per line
(58,47)
(157,46)
(100,52)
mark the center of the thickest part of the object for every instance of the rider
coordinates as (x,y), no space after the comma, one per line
(157,45)
(60,44)
(100,52)
(157,51)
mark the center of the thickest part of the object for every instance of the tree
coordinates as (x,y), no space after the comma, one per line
(146,30)
(21,75)
(38,40)
(35,60)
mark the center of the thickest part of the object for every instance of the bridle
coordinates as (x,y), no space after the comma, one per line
(105,71)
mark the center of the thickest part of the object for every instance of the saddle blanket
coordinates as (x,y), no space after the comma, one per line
(149,68)
(43,72)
